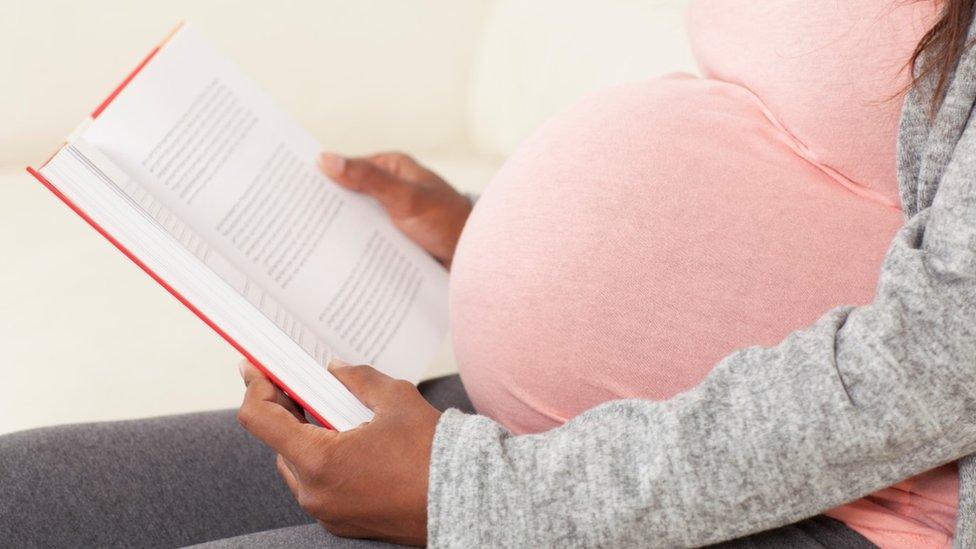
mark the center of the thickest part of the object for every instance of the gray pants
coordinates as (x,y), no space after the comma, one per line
(200,479)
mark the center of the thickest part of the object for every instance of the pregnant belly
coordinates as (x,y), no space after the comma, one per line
(640,237)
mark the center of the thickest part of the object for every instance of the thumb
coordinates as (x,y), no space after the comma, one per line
(367,383)
(363,176)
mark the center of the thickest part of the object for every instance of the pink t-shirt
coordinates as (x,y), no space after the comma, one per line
(654,228)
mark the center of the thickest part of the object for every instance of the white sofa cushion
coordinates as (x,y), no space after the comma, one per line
(538,57)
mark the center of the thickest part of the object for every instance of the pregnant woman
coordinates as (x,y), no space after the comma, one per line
(688,310)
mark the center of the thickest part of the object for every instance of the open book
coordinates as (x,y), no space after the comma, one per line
(195,174)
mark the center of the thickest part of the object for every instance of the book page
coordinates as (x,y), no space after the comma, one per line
(264,302)
(89,183)
(235,179)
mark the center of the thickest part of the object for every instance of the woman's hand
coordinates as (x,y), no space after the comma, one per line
(370,482)
(421,204)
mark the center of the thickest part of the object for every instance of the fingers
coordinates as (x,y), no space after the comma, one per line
(400,165)
(287,472)
(263,416)
(249,372)
(365,176)
(283,400)
(369,385)
(293,408)
(332,165)
(287,403)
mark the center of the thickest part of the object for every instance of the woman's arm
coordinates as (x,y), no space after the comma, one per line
(866,397)
(863,399)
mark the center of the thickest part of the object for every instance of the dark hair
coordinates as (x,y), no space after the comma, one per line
(942,46)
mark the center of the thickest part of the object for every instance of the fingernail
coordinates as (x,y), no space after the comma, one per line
(240,368)
(332,164)
(337,363)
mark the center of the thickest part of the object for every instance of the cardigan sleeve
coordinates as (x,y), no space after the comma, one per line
(862,399)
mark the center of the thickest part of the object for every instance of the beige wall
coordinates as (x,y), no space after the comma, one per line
(361,74)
